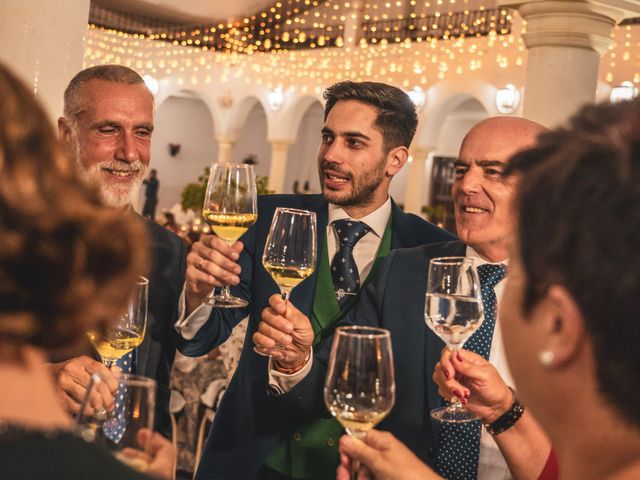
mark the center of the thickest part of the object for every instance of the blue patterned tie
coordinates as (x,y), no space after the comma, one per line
(344,272)
(116,425)
(459,449)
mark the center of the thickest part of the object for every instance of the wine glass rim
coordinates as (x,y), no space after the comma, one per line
(452,260)
(297,211)
(363,332)
(232,165)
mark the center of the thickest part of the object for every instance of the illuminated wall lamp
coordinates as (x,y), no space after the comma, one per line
(507,99)
(275,99)
(418,97)
(151,83)
(624,91)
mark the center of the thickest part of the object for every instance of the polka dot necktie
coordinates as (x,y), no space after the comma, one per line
(459,449)
(116,425)
(344,272)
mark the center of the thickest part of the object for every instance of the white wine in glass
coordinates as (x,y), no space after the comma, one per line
(230,208)
(290,252)
(453,310)
(128,331)
(359,390)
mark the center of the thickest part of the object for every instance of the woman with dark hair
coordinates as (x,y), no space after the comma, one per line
(67,264)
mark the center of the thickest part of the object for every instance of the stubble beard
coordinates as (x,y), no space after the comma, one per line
(362,191)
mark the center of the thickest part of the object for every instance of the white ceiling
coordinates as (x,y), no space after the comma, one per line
(189,10)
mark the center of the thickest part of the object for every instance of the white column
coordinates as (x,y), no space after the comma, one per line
(277,168)
(352,24)
(225,150)
(416,180)
(565,40)
(43,42)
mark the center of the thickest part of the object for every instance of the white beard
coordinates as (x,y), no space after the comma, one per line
(114,195)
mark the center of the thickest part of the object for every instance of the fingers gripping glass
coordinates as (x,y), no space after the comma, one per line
(230,208)
(453,310)
(289,252)
(359,390)
(127,426)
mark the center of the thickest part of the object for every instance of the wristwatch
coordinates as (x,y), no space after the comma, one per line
(508,419)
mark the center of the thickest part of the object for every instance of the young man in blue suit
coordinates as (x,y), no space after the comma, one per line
(108,121)
(395,300)
(364,142)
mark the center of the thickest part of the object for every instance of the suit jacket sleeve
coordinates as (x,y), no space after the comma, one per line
(222,320)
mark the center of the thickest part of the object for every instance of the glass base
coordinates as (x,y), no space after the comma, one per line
(453,414)
(223,301)
(270,352)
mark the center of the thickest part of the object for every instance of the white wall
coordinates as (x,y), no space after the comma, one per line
(253,141)
(456,126)
(302,164)
(185,121)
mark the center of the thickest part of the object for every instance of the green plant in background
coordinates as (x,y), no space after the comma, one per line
(192,196)
(437,214)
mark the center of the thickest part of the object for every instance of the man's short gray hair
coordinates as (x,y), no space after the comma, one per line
(110,73)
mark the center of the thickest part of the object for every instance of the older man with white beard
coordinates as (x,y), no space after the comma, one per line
(108,122)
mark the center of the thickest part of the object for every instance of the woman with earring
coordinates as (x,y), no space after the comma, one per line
(67,264)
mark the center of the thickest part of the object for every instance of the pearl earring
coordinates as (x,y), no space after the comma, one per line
(546,358)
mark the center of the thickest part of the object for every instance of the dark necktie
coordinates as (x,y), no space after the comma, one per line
(344,272)
(116,425)
(459,449)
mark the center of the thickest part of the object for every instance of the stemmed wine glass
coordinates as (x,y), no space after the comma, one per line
(290,251)
(128,331)
(230,208)
(359,390)
(453,310)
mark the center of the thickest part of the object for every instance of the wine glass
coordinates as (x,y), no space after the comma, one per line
(128,331)
(359,390)
(290,251)
(230,208)
(133,411)
(453,310)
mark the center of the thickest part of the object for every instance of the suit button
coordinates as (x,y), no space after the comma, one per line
(297,436)
(331,442)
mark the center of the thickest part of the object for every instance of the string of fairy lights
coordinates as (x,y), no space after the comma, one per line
(308,44)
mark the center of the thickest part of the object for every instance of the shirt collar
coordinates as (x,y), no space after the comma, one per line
(470,252)
(376,220)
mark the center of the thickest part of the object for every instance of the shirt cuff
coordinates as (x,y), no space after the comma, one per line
(188,327)
(282,382)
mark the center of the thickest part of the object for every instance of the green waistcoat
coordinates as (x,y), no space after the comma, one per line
(311,451)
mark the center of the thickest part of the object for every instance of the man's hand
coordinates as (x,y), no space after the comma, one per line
(475,381)
(72,379)
(383,457)
(211,263)
(285,332)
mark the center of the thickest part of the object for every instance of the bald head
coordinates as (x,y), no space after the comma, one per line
(482,196)
(502,136)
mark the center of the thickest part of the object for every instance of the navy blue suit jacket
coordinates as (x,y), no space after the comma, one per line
(393,300)
(154,357)
(249,421)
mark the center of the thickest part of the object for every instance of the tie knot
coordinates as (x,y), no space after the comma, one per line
(491,273)
(350,231)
